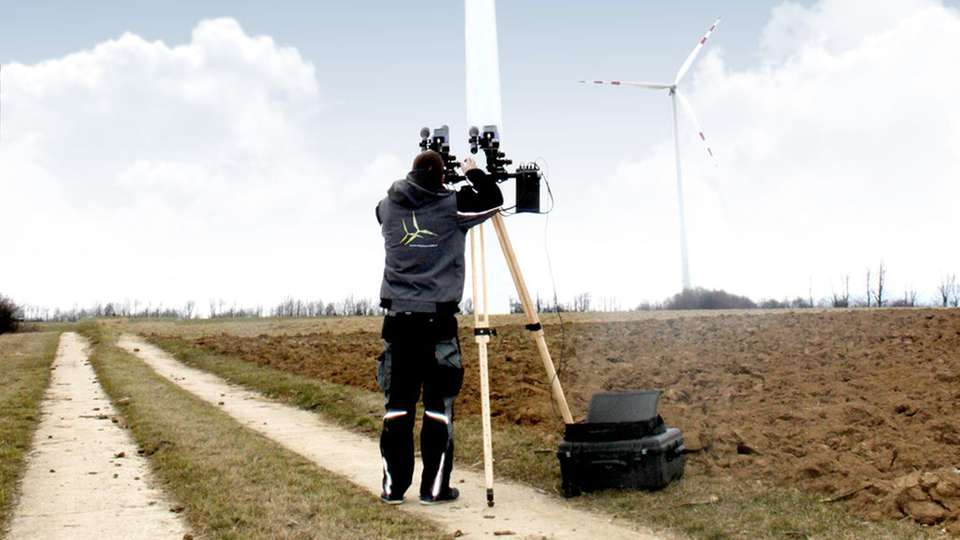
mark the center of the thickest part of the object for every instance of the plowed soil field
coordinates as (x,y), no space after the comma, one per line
(860,405)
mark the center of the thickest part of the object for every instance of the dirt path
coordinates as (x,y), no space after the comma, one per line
(75,485)
(520,510)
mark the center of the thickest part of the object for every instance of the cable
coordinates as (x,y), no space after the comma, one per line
(561,361)
(561,365)
(507,211)
(546,181)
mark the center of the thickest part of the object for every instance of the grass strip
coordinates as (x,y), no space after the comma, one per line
(25,361)
(232,481)
(699,506)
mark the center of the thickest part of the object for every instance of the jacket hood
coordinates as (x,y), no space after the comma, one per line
(409,194)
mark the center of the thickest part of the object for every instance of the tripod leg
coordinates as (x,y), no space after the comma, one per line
(481,320)
(487,432)
(532,317)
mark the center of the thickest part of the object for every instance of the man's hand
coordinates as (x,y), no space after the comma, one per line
(468,165)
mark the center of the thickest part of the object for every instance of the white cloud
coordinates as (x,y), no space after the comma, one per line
(840,149)
(140,170)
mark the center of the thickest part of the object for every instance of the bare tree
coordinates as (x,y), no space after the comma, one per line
(362,307)
(881,279)
(843,301)
(315,308)
(910,297)
(581,302)
(188,309)
(869,291)
(947,289)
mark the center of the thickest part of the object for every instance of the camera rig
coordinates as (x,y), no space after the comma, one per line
(527,175)
(439,142)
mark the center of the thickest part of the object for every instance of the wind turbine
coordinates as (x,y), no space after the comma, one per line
(674,90)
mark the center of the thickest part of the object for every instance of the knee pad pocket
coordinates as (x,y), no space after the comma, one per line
(384,364)
(450,365)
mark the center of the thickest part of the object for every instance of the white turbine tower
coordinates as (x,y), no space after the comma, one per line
(674,90)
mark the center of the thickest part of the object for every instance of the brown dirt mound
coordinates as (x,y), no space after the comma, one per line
(853,405)
(832,402)
(518,393)
(929,497)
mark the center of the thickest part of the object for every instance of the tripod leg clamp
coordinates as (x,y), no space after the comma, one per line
(534,327)
(484,331)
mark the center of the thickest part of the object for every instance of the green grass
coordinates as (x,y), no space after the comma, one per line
(233,482)
(25,361)
(56,327)
(751,510)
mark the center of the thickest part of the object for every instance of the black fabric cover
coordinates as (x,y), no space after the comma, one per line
(613,431)
(617,416)
(632,406)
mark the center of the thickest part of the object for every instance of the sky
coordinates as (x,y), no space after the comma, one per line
(168,152)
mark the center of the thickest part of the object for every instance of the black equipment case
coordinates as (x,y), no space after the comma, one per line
(623,444)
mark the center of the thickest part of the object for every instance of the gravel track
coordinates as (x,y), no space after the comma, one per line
(521,511)
(84,479)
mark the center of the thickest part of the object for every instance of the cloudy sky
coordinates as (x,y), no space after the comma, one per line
(175,151)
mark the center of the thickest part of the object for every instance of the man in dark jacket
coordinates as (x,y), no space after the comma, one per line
(424,227)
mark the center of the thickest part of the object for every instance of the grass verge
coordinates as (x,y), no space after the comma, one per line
(25,361)
(233,482)
(699,506)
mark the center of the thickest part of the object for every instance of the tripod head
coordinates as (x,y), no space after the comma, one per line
(489,142)
(527,175)
(439,142)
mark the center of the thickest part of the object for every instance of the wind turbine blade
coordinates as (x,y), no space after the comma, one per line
(693,118)
(696,51)
(482,62)
(654,86)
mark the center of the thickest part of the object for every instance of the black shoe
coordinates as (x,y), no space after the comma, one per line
(449,495)
(391,499)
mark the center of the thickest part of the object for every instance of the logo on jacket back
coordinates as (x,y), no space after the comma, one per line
(416,234)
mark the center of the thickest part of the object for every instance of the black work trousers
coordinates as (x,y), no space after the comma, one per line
(420,351)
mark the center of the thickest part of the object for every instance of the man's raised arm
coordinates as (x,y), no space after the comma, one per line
(479,201)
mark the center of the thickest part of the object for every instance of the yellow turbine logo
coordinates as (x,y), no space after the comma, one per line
(417,232)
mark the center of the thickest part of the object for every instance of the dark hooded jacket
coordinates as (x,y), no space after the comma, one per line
(424,236)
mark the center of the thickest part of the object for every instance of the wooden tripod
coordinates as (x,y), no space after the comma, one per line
(482,333)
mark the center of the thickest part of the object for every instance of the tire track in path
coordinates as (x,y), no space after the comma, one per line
(84,479)
(521,510)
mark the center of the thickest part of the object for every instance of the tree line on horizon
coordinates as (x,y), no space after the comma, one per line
(289,307)
(875,294)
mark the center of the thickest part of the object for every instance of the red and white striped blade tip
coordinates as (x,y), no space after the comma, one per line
(696,51)
(656,86)
(615,83)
